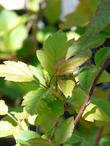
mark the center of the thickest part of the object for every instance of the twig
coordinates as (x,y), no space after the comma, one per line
(87,100)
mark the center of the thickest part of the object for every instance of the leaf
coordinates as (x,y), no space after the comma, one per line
(3,108)
(26,135)
(64,67)
(52,46)
(102,55)
(93,113)
(39,142)
(64,131)
(6,129)
(55,6)
(96,25)
(16,71)
(32,100)
(80,16)
(13,31)
(66,86)
(87,75)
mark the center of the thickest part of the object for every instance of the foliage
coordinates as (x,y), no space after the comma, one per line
(66,77)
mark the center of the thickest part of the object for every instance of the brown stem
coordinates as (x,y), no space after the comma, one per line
(87,100)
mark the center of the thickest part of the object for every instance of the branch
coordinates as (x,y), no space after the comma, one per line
(87,100)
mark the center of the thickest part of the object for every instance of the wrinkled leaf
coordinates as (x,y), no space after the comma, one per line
(16,71)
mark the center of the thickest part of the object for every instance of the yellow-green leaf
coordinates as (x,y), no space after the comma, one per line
(16,71)
(66,86)
(3,108)
(6,129)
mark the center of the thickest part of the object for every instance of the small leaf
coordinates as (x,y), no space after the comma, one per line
(66,86)
(64,131)
(16,71)
(102,55)
(32,99)
(3,108)
(39,142)
(6,129)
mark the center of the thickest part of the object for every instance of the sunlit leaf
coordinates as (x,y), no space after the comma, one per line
(16,71)
(6,129)
(66,86)
(3,108)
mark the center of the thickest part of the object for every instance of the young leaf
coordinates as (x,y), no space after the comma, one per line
(66,86)
(64,67)
(3,108)
(32,99)
(64,131)
(16,71)
(102,55)
(6,129)
(52,46)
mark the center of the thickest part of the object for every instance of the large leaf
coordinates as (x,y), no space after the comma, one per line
(3,108)
(96,25)
(80,16)
(6,129)
(32,100)
(64,131)
(16,71)
(52,6)
(52,46)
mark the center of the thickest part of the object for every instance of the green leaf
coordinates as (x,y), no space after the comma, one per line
(52,46)
(96,25)
(26,135)
(32,100)
(6,129)
(80,16)
(16,71)
(3,108)
(13,31)
(64,131)
(66,86)
(102,55)
(52,6)
(39,142)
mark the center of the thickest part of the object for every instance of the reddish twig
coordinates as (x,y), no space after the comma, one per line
(87,100)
